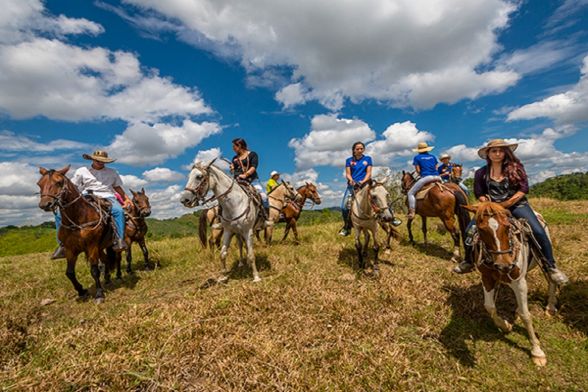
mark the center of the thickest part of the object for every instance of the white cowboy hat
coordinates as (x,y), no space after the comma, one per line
(273,173)
(444,155)
(483,152)
(98,155)
(423,147)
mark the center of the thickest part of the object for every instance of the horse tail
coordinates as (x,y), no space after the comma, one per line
(463,216)
(202,226)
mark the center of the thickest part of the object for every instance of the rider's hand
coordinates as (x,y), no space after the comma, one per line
(232,167)
(243,176)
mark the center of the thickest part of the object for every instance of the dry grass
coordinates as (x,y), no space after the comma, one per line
(313,323)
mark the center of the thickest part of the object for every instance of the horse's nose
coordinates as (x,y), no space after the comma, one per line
(147,212)
(45,205)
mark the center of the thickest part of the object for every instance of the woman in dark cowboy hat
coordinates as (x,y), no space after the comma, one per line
(504,180)
(103,182)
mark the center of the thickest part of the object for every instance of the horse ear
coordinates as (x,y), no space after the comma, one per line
(132,191)
(211,162)
(472,208)
(64,170)
(43,171)
(142,190)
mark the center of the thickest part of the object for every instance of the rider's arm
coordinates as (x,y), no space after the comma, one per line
(253,162)
(417,168)
(124,196)
(348,175)
(368,175)
(523,189)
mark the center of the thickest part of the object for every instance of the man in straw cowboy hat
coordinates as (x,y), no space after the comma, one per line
(503,180)
(445,169)
(103,182)
(426,167)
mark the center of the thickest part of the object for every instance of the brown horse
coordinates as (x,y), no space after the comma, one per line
(292,209)
(443,201)
(136,228)
(85,227)
(503,255)
(209,217)
(456,173)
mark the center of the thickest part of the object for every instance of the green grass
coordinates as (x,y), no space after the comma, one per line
(313,323)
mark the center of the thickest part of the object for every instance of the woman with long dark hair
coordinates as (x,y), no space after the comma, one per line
(244,167)
(504,180)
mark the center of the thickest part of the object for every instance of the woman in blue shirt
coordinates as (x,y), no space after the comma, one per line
(426,167)
(358,171)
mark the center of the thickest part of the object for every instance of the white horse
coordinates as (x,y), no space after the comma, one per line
(369,205)
(240,213)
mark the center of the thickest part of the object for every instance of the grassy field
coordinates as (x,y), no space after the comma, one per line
(313,323)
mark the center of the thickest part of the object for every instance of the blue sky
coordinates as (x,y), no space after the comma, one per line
(160,84)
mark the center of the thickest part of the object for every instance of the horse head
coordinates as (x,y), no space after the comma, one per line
(197,186)
(495,230)
(456,171)
(407,181)
(52,185)
(312,193)
(379,201)
(141,201)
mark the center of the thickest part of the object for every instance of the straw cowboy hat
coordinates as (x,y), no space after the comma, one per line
(98,155)
(423,147)
(483,152)
(444,155)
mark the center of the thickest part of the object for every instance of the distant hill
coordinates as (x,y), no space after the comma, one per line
(565,187)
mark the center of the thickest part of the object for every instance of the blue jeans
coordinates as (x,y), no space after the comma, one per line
(524,210)
(346,201)
(116,211)
(417,187)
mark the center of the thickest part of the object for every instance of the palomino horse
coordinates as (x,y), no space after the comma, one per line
(369,204)
(240,213)
(209,217)
(291,209)
(503,255)
(278,199)
(442,201)
(136,228)
(84,227)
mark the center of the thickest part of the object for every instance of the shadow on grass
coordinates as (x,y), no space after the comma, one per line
(574,305)
(431,249)
(245,271)
(470,321)
(348,257)
(128,280)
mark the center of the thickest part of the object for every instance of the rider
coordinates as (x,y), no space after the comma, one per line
(272,182)
(426,167)
(445,169)
(244,168)
(105,183)
(504,180)
(358,171)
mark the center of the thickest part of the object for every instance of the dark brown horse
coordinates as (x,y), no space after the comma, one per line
(443,201)
(292,209)
(85,227)
(136,228)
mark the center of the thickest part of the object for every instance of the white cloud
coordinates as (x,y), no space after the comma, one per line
(397,51)
(399,140)
(166,203)
(18,179)
(567,107)
(142,143)
(162,174)
(131,181)
(9,141)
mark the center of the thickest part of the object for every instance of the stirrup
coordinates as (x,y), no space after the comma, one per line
(59,253)
(464,267)
(557,277)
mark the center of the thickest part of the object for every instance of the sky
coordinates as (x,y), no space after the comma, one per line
(160,84)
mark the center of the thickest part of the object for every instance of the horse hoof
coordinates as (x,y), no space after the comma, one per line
(507,327)
(99,300)
(222,279)
(550,312)
(256,279)
(540,361)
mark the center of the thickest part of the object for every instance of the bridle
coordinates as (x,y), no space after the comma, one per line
(406,187)
(377,210)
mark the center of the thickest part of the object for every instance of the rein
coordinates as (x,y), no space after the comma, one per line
(514,248)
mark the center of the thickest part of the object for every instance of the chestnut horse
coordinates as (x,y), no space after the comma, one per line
(293,208)
(456,173)
(136,228)
(209,217)
(503,255)
(443,201)
(85,227)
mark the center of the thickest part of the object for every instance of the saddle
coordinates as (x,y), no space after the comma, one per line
(104,204)
(256,197)
(420,195)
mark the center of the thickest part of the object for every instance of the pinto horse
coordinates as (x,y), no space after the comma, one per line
(136,228)
(84,228)
(445,202)
(291,210)
(369,205)
(503,255)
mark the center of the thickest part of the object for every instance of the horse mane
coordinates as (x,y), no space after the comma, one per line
(490,208)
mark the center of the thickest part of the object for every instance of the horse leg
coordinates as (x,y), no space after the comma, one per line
(376,251)
(117,257)
(295,231)
(288,225)
(70,272)
(424,229)
(550,309)
(450,226)
(490,306)
(409,227)
(129,258)
(366,244)
(251,256)
(223,255)
(359,248)
(145,253)
(240,246)
(104,259)
(95,271)
(520,290)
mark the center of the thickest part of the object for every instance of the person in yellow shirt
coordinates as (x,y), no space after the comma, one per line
(272,182)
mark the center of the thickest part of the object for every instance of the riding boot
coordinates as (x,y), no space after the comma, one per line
(59,253)
(346,230)
(467,265)
(411,213)
(119,245)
